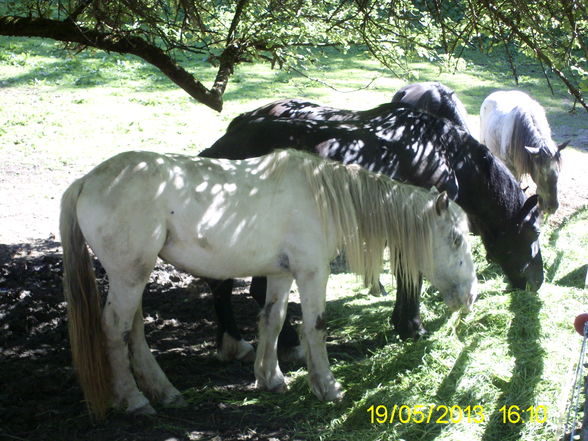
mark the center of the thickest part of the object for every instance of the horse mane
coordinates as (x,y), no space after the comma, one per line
(456,112)
(370,211)
(530,128)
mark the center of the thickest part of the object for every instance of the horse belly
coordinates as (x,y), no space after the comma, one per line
(256,241)
(206,258)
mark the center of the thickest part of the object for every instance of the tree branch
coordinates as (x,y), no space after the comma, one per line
(228,59)
(124,44)
(78,10)
(236,19)
(231,54)
(535,48)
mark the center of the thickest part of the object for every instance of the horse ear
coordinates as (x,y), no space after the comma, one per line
(563,145)
(529,205)
(442,203)
(533,150)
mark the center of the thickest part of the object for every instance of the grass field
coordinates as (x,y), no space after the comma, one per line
(60,115)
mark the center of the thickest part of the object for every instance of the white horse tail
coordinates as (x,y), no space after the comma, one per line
(84,308)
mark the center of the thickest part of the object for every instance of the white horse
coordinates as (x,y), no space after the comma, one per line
(140,205)
(514,127)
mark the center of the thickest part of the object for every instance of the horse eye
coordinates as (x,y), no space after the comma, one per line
(457,241)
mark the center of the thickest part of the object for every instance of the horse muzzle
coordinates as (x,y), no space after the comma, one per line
(461,299)
(548,207)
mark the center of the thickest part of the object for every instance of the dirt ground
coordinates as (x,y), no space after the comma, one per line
(39,395)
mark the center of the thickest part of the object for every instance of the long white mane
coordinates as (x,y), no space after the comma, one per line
(370,211)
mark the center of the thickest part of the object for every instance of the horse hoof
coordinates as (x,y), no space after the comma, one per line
(146,409)
(412,334)
(416,336)
(377,290)
(175,401)
(233,349)
(412,330)
(337,396)
(334,394)
(280,388)
(326,389)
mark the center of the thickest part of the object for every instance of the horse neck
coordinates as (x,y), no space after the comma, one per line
(458,115)
(370,211)
(529,129)
(488,191)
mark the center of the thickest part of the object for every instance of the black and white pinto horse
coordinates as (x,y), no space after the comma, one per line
(435,98)
(410,146)
(431,97)
(205,216)
(514,127)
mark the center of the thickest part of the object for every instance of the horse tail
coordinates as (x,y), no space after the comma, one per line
(84,308)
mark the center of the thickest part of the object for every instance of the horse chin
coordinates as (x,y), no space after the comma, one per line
(469,305)
(461,297)
(453,302)
(529,282)
(548,208)
(534,285)
(549,204)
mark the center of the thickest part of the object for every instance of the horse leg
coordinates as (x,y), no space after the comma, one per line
(267,370)
(378,290)
(288,341)
(231,345)
(122,303)
(312,287)
(406,316)
(148,374)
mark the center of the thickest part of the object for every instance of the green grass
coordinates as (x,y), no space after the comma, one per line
(61,113)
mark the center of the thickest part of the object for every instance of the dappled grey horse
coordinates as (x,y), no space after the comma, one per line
(514,127)
(206,216)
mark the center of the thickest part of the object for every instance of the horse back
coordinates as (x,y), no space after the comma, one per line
(256,135)
(296,109)
(202,215)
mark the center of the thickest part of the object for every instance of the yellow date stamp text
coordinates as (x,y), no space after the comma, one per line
(421,414)
(442,414)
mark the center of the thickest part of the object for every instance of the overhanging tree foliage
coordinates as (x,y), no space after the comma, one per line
(227,33)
